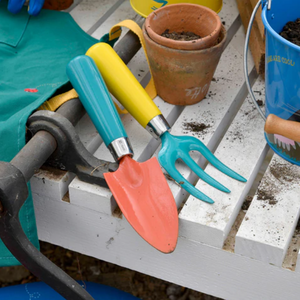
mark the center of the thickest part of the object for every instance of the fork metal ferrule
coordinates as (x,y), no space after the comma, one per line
(120,148)
(158,126)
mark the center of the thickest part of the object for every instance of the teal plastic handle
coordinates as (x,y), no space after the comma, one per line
(95,98)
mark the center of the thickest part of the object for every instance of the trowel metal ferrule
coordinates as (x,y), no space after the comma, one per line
(120,147)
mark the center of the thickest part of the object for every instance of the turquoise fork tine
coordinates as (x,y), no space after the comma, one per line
(197,145)
(182,147)
(174,173)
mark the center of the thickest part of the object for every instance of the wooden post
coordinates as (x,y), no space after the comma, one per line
(257,38)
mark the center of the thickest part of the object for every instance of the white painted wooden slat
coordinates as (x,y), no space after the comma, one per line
(211,224)
(88,12)
(124,11)
(228,13)
(268,227)
(193,265)
(50,181)
(74,4)
(91,196)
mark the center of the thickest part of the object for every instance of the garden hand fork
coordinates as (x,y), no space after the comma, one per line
(128,91)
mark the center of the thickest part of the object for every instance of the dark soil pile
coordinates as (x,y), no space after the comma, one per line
(195,126)
(266,196)
(180,36)
(85,268)
(291,32)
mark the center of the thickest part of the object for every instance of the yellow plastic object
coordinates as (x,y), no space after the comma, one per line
(123,85)
(116,31)
(55,102)
(146,7)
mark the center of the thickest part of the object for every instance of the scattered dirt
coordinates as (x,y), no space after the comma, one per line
(195,126)
(297,229)
(168,177)
(259,102)
(238,135)
(291,32)
(180,36)
(258,92)
(82,267)
(50,173)
(283,173)
(280,172)
(247,203)
(266,196)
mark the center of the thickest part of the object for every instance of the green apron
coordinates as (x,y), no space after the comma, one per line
(34,52)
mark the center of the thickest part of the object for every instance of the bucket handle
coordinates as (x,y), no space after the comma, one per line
(260,2)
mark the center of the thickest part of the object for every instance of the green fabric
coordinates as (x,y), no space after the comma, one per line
(34,52)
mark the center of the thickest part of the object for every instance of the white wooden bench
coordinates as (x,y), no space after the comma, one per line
(222,250)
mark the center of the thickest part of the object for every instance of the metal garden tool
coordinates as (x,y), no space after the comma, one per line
(140,189)
(124,86)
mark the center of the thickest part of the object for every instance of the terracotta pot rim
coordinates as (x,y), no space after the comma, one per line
(183,45)
(218,45)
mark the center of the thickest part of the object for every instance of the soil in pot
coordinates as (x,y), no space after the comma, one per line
(291,32)
(180,36)
(184,17)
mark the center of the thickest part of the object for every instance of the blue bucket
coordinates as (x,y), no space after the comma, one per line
(282,73)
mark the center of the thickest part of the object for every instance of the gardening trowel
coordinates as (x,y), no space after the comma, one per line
(140,189)
(128,91)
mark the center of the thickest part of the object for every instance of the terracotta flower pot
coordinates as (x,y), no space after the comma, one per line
(184,17)
(182,77)
(57,4)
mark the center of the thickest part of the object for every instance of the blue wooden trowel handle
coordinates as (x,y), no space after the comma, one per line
(93,93)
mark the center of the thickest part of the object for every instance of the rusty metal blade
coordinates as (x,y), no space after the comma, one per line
(146,201)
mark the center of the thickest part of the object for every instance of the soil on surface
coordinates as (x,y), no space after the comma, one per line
(195,126)
(180,36)
(267,196)
(85,268)
(281,172)
(291,32)
(259,103)
(247,203)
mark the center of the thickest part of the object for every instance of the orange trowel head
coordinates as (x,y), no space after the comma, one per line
(145,199)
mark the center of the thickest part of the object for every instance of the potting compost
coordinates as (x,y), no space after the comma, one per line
(34,52)
(180,36)
(291,32)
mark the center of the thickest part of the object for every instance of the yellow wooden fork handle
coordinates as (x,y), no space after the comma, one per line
(122,83)
(286,128)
